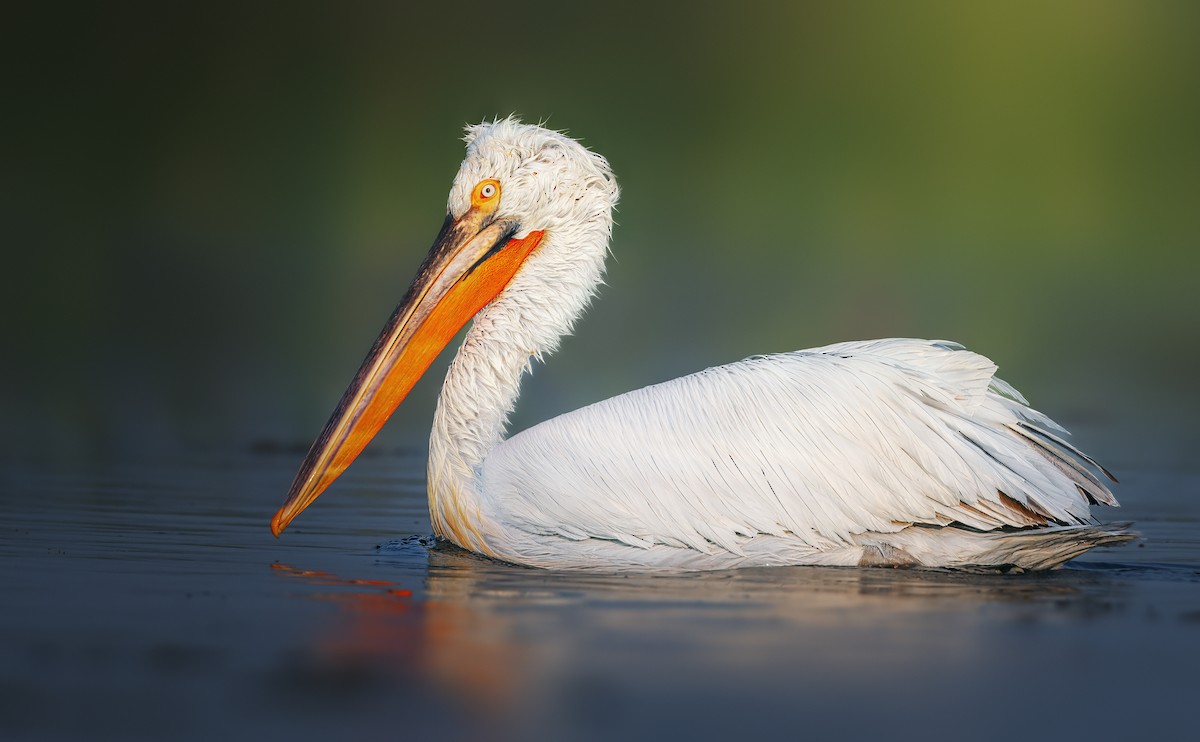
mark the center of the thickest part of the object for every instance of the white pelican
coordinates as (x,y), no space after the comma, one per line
(886,452)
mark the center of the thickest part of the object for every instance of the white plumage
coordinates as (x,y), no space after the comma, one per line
(897,452)
(824,454)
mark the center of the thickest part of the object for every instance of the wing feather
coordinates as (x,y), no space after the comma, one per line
(819,445)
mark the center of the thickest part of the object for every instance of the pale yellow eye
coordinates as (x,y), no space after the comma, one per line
(488,190)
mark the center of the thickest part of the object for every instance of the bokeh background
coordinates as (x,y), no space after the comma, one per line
(209,209)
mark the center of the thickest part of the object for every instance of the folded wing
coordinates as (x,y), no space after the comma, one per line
(818,445)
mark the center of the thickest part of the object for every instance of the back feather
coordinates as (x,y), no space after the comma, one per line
(818,446)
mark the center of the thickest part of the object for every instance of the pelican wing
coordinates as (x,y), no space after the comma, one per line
(817,445)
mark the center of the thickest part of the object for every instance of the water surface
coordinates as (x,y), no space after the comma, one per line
(150,601)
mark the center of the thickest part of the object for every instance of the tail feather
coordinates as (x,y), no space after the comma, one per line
(1046,548)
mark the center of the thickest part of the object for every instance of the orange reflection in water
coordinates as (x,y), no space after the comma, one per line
(436,641)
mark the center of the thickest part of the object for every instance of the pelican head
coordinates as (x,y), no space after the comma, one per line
(527,227)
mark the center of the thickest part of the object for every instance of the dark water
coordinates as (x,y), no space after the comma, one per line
(150,602)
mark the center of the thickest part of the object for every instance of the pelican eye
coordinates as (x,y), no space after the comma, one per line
(486,191)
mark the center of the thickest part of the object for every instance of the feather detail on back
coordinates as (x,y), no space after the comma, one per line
(816,447)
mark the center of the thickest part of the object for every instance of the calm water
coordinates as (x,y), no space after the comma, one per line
(151,602)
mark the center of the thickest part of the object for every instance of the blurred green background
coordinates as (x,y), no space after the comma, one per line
(210,209)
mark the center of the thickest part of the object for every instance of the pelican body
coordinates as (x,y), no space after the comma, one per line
(888,452)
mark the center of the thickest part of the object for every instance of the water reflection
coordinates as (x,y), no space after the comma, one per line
(380,627)
(515,651)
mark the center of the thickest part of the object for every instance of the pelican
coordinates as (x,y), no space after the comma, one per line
(895,452)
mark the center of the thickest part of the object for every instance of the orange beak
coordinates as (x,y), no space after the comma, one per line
(472,260)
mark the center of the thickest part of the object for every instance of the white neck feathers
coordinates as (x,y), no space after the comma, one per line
(524,323)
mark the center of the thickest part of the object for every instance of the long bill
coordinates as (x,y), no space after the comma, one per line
(472,260)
